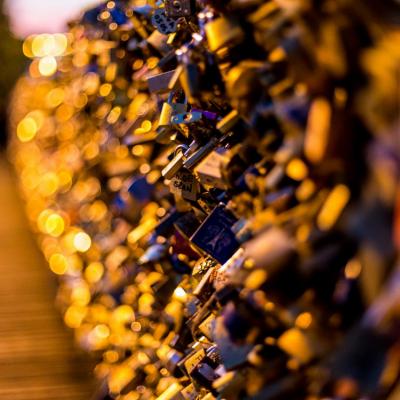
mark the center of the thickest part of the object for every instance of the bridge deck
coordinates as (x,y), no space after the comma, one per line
(38,360)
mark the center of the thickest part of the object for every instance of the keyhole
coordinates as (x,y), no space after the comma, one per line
(177,5)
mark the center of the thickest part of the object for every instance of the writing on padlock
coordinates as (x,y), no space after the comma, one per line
(184,184)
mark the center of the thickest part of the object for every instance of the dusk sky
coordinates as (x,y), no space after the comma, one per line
(39,16)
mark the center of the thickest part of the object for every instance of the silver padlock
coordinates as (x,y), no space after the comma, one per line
(176,163)
(160,83)
(203,151)
(209,170)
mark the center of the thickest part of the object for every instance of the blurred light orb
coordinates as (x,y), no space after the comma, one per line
(58,264)
(27,46)
(55,97)
(48,45)
(82,242)
(47,66)
(94,272)
(60,44)
(75,315)
(54,225)
(27,129)
(42,218)
(45,44)
(40,44)
(102,331)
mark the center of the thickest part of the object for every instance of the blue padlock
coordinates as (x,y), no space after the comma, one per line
(215,236)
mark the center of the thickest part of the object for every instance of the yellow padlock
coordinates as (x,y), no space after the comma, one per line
(169,109)
(223,32)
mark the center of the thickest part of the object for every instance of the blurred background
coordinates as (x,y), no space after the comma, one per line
(19,19)
(38,359)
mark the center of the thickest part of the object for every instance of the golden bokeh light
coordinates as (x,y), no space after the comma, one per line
(47,66)
(82,242)
(81,295)
(303,320)
(74,316)
(45,44)
(296,169)
(94,271)
(353,269)
(55,97)
(333,207)
(27,129)
(54,225)
(58,264)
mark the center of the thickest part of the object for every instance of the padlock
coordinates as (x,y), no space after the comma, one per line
(187,118)
(202,266)
(160,83)
(204,375)
(193,359)
(232,354)
(187,224)
(158,41)
(169,109)
(223,32)
(184,184)
(209,170)
(162,22)
(228,271)
(173,392)
(207,326)
(190,392)
(202,152)
(227,123)
(176,163)
(190,80)
(179,8)
(153,254)
(140,189)
(215,237)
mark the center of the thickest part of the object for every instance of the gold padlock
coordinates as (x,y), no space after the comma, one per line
(223,32)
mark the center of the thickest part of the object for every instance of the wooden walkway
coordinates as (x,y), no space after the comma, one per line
(38,360)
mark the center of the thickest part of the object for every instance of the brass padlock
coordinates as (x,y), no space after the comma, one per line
(223,32)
